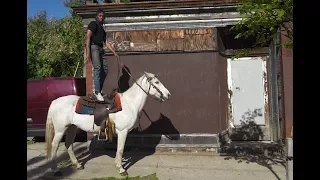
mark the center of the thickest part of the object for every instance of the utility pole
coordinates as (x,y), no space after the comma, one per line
(289,156)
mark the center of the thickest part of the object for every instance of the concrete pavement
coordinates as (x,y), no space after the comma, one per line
(167,166)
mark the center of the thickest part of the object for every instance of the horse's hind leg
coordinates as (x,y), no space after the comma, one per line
(70,136)
(55,144)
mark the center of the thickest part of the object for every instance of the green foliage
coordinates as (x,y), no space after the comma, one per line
(263,19)
(55,47)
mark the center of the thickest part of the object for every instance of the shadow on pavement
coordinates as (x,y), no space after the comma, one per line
(159,127)
(264,154)
(63,161)
(136,148)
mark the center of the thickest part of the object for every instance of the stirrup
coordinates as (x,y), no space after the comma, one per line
(105,132)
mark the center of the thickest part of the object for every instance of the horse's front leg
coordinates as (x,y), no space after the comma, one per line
(122,136)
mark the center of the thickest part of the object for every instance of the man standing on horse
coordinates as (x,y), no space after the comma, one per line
(95,38)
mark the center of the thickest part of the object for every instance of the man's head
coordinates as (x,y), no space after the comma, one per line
(100,16)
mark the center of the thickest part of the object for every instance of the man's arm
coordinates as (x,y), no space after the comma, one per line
(91,29)
(88,37)
(111,49)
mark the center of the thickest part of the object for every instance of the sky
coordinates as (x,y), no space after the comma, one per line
(53,7)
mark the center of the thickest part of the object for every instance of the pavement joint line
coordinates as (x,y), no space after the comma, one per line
(191,167)
(221,169)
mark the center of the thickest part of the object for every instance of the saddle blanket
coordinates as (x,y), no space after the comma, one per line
(83,109)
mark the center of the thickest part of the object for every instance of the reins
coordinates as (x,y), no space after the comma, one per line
(148,79)
(123,66)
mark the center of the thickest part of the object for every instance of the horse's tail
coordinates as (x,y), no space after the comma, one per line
(49,134)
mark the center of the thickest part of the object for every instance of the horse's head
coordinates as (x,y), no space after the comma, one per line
(156,88)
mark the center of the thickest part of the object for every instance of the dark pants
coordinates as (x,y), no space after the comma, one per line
(100,67)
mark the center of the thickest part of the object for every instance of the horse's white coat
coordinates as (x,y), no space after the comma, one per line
(62,116)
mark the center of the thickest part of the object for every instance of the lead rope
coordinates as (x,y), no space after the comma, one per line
(123,66)
(119,69)
(119,61)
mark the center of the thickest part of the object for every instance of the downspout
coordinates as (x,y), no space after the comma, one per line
(275,133)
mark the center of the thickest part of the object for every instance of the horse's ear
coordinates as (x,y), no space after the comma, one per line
(146,74)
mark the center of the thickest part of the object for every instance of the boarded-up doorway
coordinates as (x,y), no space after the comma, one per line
(247,81)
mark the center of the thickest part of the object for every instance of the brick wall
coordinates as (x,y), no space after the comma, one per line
(287,69)
(89,81)
(89,85)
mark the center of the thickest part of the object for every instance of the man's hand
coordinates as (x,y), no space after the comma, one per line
(116,55)
(108,45)
(88,59)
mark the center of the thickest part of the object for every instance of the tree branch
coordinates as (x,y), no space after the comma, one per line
(286,36)
(287,30)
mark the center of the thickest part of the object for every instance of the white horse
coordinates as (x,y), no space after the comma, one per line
(62,119)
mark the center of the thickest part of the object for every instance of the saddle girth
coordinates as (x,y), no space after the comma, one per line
(101,111)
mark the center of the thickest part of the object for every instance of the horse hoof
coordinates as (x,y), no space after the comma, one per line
(58,173)
(80,168)
(125,173)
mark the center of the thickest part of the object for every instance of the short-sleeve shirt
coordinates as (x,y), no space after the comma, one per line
(98,33)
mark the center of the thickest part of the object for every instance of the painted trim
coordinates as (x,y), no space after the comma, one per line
(173,17)
(162,25)
(230,107)
(188,146)
(266,89)
(89,11)
(185,141)
(164,136)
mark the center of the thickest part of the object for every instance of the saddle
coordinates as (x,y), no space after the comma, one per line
(100,110)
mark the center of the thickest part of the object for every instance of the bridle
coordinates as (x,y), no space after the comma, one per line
(149,79)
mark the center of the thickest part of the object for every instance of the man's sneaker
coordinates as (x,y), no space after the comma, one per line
(99,96)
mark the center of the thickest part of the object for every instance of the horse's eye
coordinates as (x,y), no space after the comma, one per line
(157,82)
